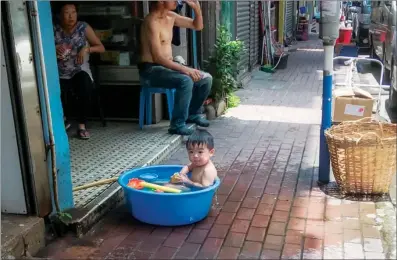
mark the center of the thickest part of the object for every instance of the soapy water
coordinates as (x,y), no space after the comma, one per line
(153,178)
(183,188)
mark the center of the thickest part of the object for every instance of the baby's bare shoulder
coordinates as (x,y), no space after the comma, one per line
(210,169)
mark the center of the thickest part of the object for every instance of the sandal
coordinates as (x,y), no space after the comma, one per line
(83,134)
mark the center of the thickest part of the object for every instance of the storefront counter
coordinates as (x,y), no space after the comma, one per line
(118,75)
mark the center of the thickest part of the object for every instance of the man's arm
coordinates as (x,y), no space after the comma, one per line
(154,42)
(186,22)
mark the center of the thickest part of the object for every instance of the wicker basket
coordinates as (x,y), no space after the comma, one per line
(363,155)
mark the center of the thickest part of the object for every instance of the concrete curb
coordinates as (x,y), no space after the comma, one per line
(21,236)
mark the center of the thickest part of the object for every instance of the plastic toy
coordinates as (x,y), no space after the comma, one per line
(135,184)
(139,184)
(156,190)
(148,177)
(175,178)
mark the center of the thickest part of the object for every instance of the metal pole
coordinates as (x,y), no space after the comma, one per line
(330,14)
(194,45)
(324,167)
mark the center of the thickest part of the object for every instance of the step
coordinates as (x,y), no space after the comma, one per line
(21,236)
(84,218)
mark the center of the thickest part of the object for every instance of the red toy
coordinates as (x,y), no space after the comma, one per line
(135,184)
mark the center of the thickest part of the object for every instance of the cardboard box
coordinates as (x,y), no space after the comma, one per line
(116,58)
(104,35)
(351,104)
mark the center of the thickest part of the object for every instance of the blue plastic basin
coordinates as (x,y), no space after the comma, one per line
(166,209)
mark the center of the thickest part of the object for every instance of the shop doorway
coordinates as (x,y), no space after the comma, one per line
(120,144)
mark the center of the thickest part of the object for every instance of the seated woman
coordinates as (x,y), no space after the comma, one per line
(74,41)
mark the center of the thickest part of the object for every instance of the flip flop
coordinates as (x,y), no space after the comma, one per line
(83,134)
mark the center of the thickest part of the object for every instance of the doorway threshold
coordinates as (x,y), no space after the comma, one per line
(111,150)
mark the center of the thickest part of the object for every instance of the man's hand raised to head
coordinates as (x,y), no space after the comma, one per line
(194,4)
(186,22)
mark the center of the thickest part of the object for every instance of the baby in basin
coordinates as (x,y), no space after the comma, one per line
(200,148)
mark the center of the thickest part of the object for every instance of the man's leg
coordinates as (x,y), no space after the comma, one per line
(161,77)
(201,90)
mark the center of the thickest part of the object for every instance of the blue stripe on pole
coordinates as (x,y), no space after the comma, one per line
(324,167)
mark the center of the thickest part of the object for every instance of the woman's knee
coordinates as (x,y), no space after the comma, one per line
(83,84)
(82,78)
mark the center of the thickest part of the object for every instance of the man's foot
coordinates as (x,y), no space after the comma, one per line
(199,121)
(180,131)
(83,134)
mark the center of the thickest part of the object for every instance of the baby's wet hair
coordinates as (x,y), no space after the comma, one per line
(200,137)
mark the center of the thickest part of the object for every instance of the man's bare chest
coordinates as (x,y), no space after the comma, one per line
(165,29)
(165,33)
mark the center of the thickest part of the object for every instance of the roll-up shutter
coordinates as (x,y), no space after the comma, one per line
(247,30)
(289,16)
(243,12)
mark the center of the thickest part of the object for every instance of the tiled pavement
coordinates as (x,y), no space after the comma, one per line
(269,205)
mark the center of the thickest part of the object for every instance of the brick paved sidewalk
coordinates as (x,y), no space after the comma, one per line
(268,205)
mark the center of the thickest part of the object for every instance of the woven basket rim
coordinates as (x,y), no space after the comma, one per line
(351,135)
(367,136)
(384,127)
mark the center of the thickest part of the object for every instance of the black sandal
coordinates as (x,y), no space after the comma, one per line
(83,134)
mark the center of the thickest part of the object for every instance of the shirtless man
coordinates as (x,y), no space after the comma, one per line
(158,69)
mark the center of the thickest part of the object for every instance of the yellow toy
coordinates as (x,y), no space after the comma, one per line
(175,178)
(139,184)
